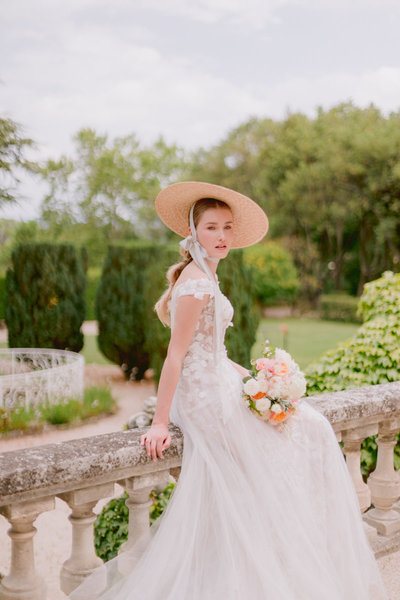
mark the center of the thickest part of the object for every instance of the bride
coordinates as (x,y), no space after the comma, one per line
(256,513)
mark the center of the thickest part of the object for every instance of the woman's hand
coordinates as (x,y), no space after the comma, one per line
(156,439)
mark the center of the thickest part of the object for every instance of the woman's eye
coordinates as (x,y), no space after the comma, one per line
(211,227)
(228,227)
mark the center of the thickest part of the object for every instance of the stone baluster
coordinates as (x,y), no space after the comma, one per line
(384,482)
(139,503)
(352,440)
(83,560)
(23,582)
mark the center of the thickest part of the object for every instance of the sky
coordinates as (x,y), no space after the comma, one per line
(189,70)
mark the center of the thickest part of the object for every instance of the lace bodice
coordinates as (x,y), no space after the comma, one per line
(201,346)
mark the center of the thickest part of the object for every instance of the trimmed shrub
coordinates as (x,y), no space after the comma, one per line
(45,304)
(339,307)
(130,333)
(275,278)
(236,282)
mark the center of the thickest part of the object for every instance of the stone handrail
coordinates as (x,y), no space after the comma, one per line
(81,472)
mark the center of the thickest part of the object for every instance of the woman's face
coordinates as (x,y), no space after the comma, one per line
(215,231)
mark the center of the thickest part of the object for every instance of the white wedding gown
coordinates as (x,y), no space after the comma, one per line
(257,514)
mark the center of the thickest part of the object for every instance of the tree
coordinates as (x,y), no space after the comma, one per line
(12,157)
(45,304)
(107,190)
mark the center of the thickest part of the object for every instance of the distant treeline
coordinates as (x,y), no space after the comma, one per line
(330,185)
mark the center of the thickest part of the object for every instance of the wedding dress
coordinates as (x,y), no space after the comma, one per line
(257,513)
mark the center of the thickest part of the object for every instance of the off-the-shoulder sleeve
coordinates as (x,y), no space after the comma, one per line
(195,287)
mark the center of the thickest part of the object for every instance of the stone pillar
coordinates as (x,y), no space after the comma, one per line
(352,440)
(384,482)
(23,582)
(139,503)
(83,560)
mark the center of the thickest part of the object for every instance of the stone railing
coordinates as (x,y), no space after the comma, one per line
(81,472)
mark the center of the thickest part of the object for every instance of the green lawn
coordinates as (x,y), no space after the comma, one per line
(307,339)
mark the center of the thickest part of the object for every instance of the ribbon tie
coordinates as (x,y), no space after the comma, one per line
(199,256)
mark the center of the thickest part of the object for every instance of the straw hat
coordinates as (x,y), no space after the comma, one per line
(250,223)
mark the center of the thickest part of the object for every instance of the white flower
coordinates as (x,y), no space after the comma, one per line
(251,387)
(263,404)
(260,376)
(263,386)
(276,387)
(297,387)
(283,356)
(276,408)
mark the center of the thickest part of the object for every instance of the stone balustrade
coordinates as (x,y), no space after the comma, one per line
(81,472)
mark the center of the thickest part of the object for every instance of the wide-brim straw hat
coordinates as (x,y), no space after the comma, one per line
(250,223)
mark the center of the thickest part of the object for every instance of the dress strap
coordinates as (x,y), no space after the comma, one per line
(194,287)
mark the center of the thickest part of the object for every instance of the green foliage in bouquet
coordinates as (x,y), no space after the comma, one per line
(111,525)
(275,278)
(370,357)
(44,303)
(236,282)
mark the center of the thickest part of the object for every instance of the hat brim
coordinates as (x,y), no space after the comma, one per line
(250,223)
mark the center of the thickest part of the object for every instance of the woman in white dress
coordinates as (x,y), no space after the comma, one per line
(257,514)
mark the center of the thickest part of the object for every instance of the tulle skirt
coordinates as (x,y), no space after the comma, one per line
(257,513)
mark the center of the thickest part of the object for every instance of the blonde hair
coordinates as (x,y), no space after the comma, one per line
(161,306)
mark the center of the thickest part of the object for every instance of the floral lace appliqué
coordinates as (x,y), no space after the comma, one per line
(200,350)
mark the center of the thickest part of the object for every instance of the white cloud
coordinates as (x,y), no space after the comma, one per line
(380,87)
(92,63)
(256,13)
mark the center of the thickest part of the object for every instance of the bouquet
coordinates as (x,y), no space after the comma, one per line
(274,386)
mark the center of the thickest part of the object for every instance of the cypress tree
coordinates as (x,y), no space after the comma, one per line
(130,333)
(44,302)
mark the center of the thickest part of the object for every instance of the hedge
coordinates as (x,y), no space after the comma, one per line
(339,307)
(44,301)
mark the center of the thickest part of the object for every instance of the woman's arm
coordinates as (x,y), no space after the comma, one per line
(188,311)
(243,372)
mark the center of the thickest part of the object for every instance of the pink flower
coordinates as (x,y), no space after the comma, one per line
(267,364)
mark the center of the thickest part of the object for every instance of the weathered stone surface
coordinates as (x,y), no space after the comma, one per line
(352,408)
(65,466)
(59,468)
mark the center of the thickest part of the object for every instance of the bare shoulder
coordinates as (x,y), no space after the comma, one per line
(191,271)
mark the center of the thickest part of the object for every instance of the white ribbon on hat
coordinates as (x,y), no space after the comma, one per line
(199,256)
